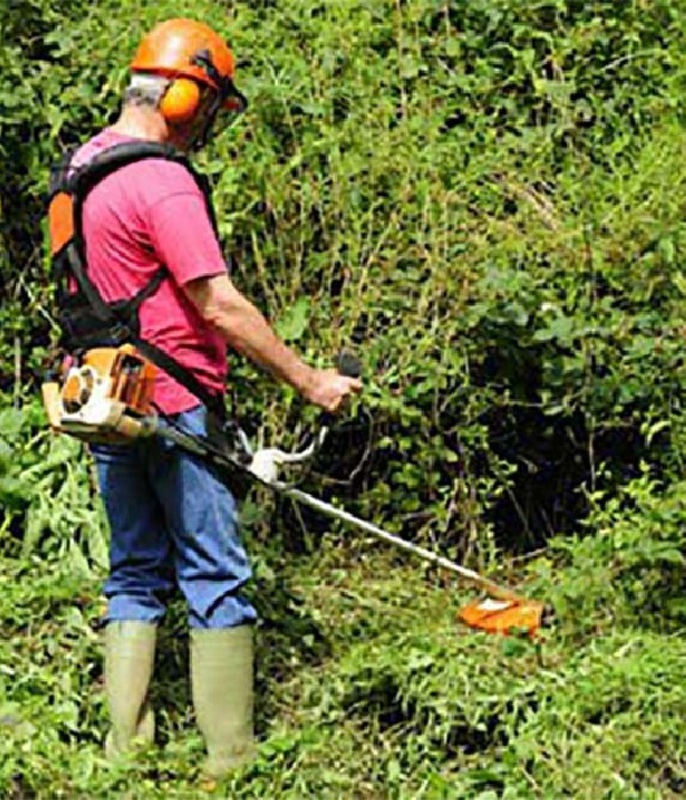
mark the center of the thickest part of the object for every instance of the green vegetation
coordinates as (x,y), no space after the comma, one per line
(486,198)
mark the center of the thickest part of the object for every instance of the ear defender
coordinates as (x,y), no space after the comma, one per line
(181,101)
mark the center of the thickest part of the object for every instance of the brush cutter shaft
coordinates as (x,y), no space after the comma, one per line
(427,555)
(199,447)
(109,405)
(267,477)
(186,441)
(263,466)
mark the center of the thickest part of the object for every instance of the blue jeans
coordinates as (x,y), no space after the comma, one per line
(173,523)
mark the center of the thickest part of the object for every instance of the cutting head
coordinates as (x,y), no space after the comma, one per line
(504,616)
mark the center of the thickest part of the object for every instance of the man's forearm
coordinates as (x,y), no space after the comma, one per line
(246,330)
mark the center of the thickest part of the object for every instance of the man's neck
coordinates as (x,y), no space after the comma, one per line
(142,123)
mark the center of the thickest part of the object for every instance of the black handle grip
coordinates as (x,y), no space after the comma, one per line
(349,364)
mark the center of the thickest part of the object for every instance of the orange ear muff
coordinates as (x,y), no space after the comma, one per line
(181,101)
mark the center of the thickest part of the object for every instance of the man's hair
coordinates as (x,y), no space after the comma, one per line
(145,90)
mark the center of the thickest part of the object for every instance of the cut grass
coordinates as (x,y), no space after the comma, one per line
(367,688)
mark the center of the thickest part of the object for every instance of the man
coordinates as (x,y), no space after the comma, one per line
(148,245)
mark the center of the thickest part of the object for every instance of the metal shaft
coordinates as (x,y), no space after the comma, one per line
(495,589)
(192,444)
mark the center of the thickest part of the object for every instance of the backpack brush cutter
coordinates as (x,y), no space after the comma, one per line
(107,397)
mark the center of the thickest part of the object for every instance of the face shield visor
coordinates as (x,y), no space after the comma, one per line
(223,105)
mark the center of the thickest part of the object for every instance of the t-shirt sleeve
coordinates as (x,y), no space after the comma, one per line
(181,232)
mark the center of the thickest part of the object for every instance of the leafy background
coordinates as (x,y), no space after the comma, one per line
(486,200)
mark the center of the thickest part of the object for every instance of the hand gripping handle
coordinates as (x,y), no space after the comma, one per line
(348,364)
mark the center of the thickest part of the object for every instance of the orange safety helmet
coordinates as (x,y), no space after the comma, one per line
(191,54)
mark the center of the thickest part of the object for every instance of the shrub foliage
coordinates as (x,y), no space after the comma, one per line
(484,199)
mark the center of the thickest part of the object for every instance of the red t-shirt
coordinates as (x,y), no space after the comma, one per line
(148,214)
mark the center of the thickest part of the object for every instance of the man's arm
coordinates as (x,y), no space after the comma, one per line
(246,330)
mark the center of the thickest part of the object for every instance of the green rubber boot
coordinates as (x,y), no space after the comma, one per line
(222,687)
(129,659)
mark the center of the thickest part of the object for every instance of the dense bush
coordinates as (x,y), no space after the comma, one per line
(499,186)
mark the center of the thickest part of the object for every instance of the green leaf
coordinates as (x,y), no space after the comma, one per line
(291,326)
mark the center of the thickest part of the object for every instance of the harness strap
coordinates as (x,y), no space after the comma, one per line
(122,319)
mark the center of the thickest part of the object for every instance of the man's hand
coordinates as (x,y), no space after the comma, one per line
(328,389)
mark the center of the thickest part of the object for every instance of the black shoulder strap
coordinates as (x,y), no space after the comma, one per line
(79,183)
(84,177)
(59,174)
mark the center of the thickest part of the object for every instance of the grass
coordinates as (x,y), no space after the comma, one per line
(367,688)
